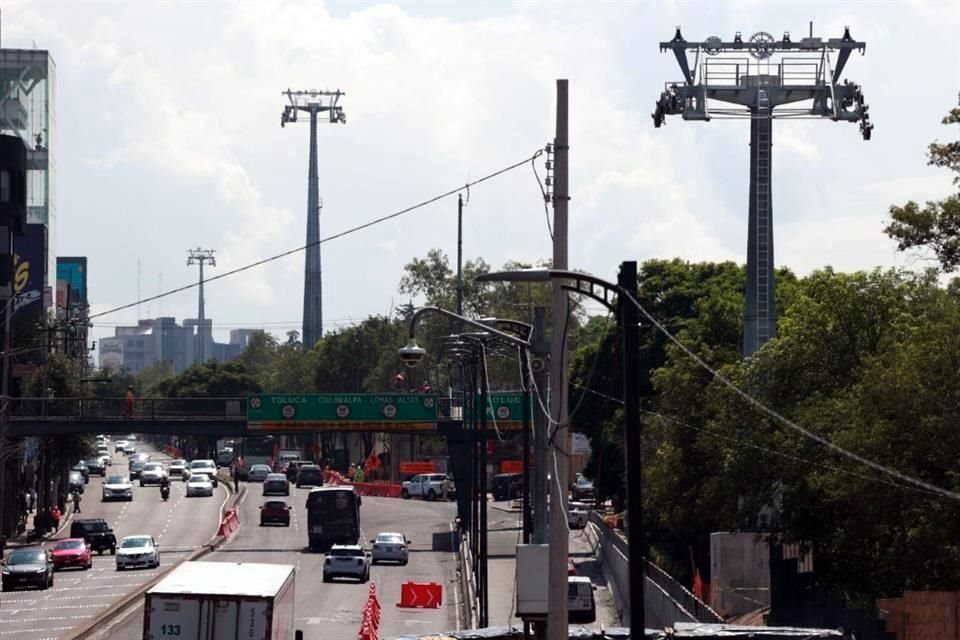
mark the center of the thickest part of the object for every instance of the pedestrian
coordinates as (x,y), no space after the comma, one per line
(25,501)
(233,477)
(128,403)
(31,497)
(76,502)
(55,517)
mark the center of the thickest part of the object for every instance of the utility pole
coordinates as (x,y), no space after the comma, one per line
(313,103)
(557,625)
(200,257)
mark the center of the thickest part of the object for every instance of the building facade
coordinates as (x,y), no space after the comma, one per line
(157,340)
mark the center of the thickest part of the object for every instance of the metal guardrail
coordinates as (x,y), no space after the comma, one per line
(118,409)
(680,594)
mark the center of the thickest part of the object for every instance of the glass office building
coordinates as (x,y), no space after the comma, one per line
(27,109)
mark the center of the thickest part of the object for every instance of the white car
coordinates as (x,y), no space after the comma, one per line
(346,561)
(199,485)
(129,449)
(152,473)
(577,515)
(138,551)
(117,488)
(120,446)
(105,460)
(177,468)
(430,486)
(390,547)
(207,467)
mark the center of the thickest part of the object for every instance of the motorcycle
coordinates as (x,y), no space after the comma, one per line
(165,492)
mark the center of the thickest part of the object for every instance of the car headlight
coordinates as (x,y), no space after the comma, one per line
(6,571)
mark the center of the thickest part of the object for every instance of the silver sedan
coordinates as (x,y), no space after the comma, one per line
(390,547)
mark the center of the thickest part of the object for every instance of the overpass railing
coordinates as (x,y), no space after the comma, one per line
(118,409)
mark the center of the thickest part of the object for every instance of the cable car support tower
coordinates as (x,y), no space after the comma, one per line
(764,79)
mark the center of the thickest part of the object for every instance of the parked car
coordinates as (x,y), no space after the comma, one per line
(28,567)
(430,486)
(309,475)
(177,467)
(390,547)
(95,467)
(117,488)
(346,561)
(276,484)
(258,473)
(582,488)
(83,469)
(96,532)
(199,485)
(275,511)
(75,482)
(207,467)
(138,551)
(507,486)
(577,515)
(581,606)
(72,552)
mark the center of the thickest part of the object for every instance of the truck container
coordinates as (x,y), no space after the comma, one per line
(222,601)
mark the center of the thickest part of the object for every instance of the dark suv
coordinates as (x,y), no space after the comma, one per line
(507,486)
(309,475)
(96,532)
(292,467)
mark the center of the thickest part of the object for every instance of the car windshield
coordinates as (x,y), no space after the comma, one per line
(277,477)
(275,504)
(132,543)
(75,475)
(153,467)
(116,479)
(27,557)
(199,477)
(390,538)
(347,553)
(201,464)
(69,544)
(178,463)
(581,481)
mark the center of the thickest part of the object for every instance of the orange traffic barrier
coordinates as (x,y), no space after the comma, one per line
(421,595)
(229,524)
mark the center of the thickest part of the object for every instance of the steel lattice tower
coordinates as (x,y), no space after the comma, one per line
(757,87)
(313,103)
(200,257)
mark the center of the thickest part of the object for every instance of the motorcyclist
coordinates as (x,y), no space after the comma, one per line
(164,487)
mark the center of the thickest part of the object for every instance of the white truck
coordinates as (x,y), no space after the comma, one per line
(430,486)
(222,601)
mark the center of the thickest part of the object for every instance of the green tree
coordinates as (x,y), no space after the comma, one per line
(212,379)
(936,224)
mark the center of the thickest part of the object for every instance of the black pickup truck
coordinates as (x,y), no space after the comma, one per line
(96,532)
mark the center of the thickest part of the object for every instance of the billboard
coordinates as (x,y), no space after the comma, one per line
(29,272)
(111,352)
(73,271)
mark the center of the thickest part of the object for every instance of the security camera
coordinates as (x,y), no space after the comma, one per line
(412,354)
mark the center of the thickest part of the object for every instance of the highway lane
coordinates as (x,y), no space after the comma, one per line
(333,610)
(180,526)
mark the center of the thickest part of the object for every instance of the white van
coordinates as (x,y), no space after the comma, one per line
(581,607)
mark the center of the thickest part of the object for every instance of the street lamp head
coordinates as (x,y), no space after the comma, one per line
(520,275)
(412,353)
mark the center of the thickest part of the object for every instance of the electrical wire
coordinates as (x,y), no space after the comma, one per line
(778,417)
(335,236)
(758,447)
(546,211)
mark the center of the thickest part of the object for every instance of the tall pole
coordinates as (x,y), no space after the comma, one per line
(4,396)
(200,257)
(630,326)
(541,355)
(460,254)
(312,283)
(525,443)
(760,311)
(557,625)
(482,497)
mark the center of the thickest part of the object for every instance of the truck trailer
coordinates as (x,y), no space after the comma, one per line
(222,601)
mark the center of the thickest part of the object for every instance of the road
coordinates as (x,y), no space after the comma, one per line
(180,525)
(333,610)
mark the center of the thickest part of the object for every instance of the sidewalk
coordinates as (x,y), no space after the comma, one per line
(27,538)
(503,536)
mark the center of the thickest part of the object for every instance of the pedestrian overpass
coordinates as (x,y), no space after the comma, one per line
(260,414)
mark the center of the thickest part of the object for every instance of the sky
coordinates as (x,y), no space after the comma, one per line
(168,119)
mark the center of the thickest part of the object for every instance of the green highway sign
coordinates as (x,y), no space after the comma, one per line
(341,411)
(506,409)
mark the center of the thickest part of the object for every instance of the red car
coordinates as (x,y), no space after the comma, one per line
(275,511)
(72,552)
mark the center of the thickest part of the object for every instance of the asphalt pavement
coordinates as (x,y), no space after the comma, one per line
(179,525)
(333,610)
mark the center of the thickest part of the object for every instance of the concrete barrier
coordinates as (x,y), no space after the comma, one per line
(666,601)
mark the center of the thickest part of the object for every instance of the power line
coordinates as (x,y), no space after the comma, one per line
(335,236)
